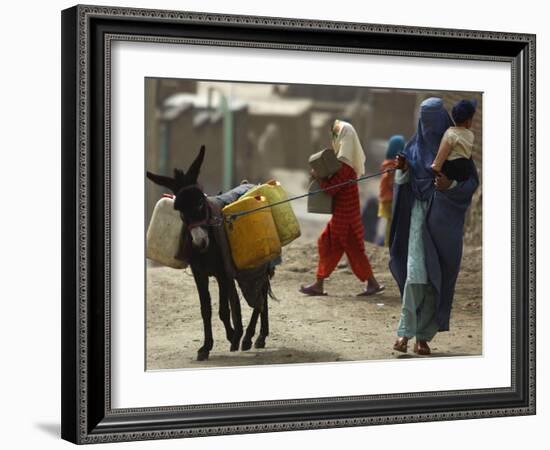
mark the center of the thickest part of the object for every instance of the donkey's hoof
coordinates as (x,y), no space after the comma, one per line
(260,342)
(230,335)
(236,341)
(202,355)
(246,345)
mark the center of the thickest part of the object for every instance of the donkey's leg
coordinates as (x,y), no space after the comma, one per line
(201,280)
(264,326)
(224,307)
(250,329)
(235,314)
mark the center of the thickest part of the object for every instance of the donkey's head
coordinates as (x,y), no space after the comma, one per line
(190,199)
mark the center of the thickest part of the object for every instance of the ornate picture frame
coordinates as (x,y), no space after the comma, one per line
(88,33)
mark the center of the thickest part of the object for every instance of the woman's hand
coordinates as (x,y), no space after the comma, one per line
(441,182)
(401,163)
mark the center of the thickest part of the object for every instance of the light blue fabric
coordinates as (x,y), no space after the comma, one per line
(416,261)
(419,303)
(418,312)
(401,177)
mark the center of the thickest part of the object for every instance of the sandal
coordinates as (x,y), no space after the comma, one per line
(367,292)
(311,291)
(401,344)
(422,348)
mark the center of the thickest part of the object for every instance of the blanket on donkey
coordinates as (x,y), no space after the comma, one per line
(234,194)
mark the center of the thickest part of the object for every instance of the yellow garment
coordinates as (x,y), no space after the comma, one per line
(385,211)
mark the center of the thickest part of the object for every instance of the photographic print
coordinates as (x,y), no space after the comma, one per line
(302,206)
(300,223)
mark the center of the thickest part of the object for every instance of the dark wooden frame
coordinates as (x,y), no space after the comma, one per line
(87,32)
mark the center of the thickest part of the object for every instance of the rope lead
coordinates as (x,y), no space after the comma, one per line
(231,218)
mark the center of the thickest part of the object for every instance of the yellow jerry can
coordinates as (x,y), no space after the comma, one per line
(252,237)
(285,220)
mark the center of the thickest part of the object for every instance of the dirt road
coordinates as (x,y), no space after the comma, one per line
(338,327)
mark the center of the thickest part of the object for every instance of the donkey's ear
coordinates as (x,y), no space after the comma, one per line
(179,176)
(194,169)
(161,180)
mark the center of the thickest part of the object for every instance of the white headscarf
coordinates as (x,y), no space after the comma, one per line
(348,148)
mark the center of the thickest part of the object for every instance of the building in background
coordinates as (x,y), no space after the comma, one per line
(253,131)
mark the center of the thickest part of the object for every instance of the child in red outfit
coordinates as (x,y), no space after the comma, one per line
(385,198)
(344,231)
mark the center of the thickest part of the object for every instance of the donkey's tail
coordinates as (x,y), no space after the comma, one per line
(270,292)
(271,274)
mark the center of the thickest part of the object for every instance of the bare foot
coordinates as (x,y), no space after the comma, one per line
(313,289)
(371,289)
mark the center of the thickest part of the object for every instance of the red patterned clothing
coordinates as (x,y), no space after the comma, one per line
(344,231)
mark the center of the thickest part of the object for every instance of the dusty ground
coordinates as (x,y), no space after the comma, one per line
(337,327)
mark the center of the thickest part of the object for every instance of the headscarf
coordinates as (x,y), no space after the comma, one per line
(420,151)
(348,148)
(395,145)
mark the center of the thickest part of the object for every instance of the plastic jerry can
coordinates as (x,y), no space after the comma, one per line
(253,237)
(320,203)
(325,163)
(164,235)
(285,220)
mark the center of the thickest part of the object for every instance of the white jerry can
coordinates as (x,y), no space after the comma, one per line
(164,235)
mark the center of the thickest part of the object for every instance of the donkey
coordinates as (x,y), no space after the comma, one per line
(207,260)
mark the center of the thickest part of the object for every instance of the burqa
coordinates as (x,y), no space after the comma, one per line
(443,227)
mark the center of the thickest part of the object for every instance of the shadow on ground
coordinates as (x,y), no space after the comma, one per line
(281,355)
(435,355)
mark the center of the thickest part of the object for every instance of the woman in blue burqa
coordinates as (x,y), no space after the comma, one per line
(427,232)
